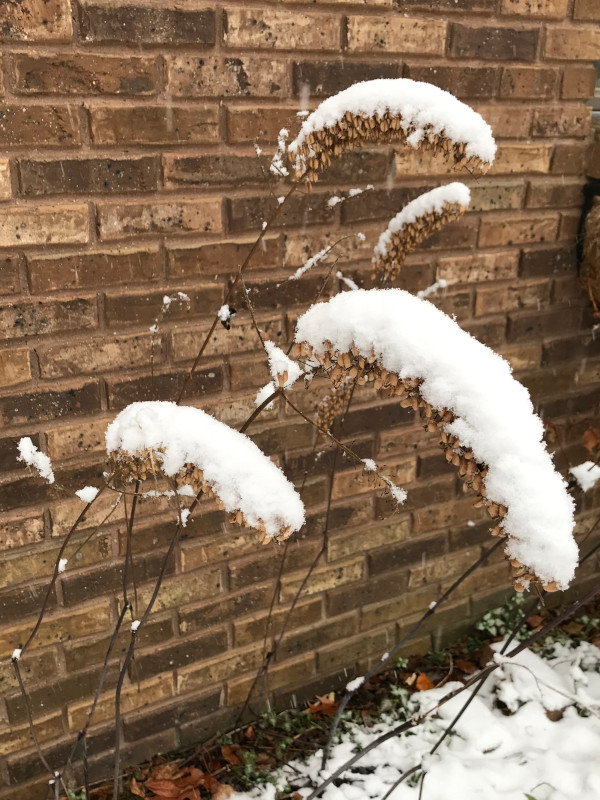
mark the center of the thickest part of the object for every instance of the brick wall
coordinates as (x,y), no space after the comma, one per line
(128,170)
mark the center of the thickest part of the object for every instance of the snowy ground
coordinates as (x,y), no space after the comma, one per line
(505,747)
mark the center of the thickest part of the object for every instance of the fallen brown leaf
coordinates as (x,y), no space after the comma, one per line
(224,790)
(465,666)
(324,707)
(230,754)
(165,789)
(535,620)
(424,683)
(591,439)
(136,789)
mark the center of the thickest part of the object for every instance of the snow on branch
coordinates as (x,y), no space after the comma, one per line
(466,394)
(150,439)
(29,453)
(392,110)
(587,474)
(284,371)
(416,222)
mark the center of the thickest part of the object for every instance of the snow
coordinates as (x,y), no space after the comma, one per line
(262,394)
(346,281)
(30,454)
(277,166)
(433,289)
(491,755)
(284,371)
(586,474)
(135,625)
(87,494)
(355,684)
(423,107)
(16,654)
(236,470)
(494,413)
(433,202)
(62,565)
(311,262)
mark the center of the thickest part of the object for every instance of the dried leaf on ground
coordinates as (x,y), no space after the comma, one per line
(165,789)
(136,789)
(424,683)
(224,791)
(535,620)
(324,707)
(465,666)
(230,754)
(591,439)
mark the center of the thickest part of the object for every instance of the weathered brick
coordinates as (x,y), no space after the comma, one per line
(578,82)
(39,406)
(349,651)
(569,158)
(528,325)
(268,28)
(221,76)
(356,481)
(323,579)
(88,176)
(84,74)
(376,203)
(27,319)
(551,9)
(222,257)
(246,124)
(248,630)
(118,221)
(248,213)
(504,122)
(180,654)
(21,531)
(512,298)
(252,569)
(517,230)
(446,5)
(30,20)
(463,82)
(418,599)
(18,738)
(494,44)
(483,267)
(5,182)
(59,627)
(497,196)
(586,10)
(23,126)
(513,158)
(555,193)
(360,541)
(241,338)
(15,367)
(74,440)
(397,35)
(163,386)
(444,515)
(176,124)
(570,44)
(569,226)
(562,121)
(145,307)
(557,260)
(182,171)
(529,83)
(9,275)
(158,24)
(57,224)
(96,356)
(198,617)
(323,78)
(196,677)
(91,269)
(296,672)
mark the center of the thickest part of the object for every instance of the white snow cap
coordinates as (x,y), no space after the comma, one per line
(420,105)
(238,472)
(29,453)
(87,494)
(62,565)
(495,417)
(586,474)
(279,364)
(434,201)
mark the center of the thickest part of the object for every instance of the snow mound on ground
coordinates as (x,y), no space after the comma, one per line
(495,416)
(236,470)
(422,106)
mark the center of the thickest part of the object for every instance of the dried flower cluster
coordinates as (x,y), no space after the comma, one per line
(354,130)
(591,256)
(352,365)
(146,465)
(410,236)
(332,403)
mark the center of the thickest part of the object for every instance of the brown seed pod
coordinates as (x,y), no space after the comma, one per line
(470,470)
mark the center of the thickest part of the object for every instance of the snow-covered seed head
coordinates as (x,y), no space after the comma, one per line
(333,402)
(416,222)
(343,369)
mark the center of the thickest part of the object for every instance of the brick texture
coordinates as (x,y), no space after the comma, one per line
(128,171)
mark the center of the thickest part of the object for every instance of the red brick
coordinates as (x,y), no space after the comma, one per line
(176,124)
(14,365)
(269,28)
(41,317)
(84,74)
(259,124)
(397,35)
(88,176)
(550,9)
(562,121)
(91,269)
(570,44)
(38,125)
(517,230)
(222,257)
(586,10)
(322,78)
(221,76)
(528,83)
(578,82)
(119,221)
(494,44)
(29,20)
(158,24)
(60,224)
